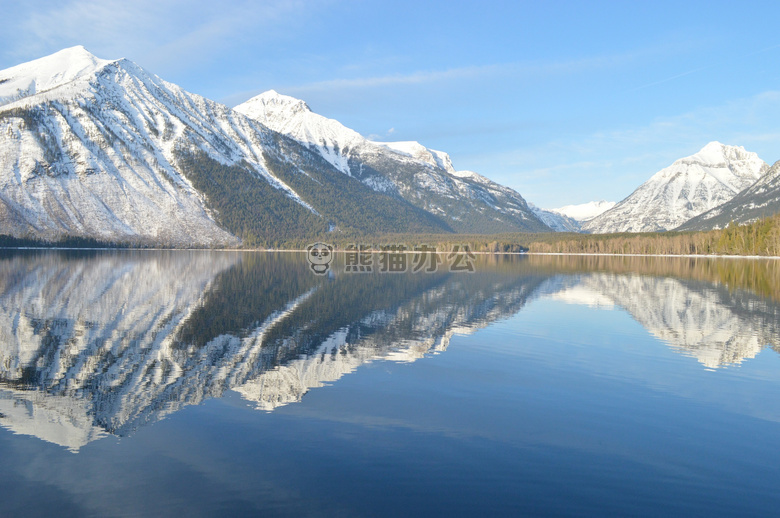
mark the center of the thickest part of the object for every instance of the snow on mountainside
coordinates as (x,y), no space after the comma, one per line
(584,211)
(88,147)
(760,200)
(293,117)
(44,74)
(687,188)
(103,149)
(557,222)
(435,158)
(571,217)
(465,201)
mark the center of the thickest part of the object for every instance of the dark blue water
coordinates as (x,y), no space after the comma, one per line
(225,384)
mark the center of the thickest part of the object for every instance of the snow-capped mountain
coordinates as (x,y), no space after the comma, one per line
(584,211)
(466,201)
(103,149)
(557,222)
(571,217)
(87,148)
(687,188)
(760,200)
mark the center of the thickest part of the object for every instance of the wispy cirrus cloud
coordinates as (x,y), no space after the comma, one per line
(527,69)
(672,78)
(518,70)
(171,31)
(418,77)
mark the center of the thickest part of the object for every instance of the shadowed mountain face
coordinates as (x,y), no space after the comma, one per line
(101,343)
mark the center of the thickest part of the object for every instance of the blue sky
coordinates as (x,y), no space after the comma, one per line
(566,102)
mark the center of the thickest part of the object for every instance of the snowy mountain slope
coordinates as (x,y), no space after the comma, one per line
(584,211)
(94,153)
(760,200)
(293,117)
(466,201)
(687,188)
(66,66)
(571,217)
(432,157)
(557,222)
(103,149)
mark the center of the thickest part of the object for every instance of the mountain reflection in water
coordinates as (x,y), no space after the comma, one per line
(96,343)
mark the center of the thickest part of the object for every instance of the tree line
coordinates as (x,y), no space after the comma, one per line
(761,237)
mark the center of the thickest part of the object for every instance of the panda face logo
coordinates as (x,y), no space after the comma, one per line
(319,256)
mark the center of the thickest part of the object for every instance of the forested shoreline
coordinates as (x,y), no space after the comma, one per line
(760,238)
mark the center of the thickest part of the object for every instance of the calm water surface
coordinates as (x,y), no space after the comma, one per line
(228,384)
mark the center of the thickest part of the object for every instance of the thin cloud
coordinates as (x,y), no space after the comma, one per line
(672,78)
(699,69)
(171,33)
(611,164)
(399,79)
(517,69)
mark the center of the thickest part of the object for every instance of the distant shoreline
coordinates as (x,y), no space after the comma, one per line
(342,251)
(712,256)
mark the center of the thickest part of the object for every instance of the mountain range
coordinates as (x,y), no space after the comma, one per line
(423,177)
(102,149)
(685,189)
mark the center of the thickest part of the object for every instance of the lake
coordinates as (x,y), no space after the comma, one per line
(176,383)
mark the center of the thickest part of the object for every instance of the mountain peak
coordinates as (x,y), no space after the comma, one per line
(76,52)
(687,188)
(715,153)
(276,101)
(294,118)
(584,211)
(48,72)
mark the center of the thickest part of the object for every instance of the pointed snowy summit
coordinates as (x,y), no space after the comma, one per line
(584,211)
(270,103)
(293,117)
(689,187)
(48,73)
(424,177)
(760,200)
